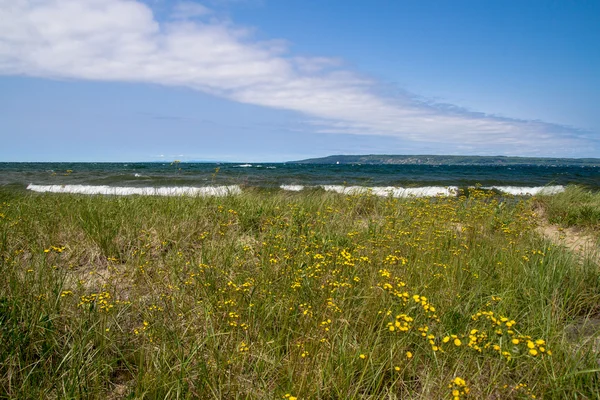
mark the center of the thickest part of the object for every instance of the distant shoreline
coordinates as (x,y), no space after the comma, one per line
(360,159)
(384,159)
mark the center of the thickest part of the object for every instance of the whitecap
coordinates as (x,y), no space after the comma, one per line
(528,191)
(384,191)
(144,191)
(292,188)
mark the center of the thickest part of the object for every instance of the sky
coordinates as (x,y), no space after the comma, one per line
(281,80)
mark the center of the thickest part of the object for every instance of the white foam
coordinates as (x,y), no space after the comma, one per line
(528,191)
(433,191)
(384,191)
(137,175)
(144,191)
(244,165)
(293,188)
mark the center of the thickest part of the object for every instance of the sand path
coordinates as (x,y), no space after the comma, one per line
(583,333)
(576,241)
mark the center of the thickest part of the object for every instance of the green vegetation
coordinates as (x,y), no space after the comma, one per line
(576,206)
(291,295)
(448,160)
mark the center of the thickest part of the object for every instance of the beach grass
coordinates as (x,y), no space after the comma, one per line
(575,207)
(310,295)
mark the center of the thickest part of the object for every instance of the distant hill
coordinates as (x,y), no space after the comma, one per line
(447,160)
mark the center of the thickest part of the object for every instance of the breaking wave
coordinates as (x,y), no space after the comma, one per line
(292,188)
(384,191)
(144,191)
(528,191)
(428,191)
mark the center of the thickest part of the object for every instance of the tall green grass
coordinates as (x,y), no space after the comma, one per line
(576,206)
(274,295)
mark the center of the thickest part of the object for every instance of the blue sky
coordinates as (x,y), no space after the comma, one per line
(277,80)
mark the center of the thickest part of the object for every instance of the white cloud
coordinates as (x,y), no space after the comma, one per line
(188,9)
(315,64)
(121,40)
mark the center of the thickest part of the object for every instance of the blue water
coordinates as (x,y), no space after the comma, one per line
(275,175)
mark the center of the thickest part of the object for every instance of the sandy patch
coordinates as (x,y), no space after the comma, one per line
(573,239)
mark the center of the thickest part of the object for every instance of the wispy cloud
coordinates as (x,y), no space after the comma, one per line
(122,40)
(188,9)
